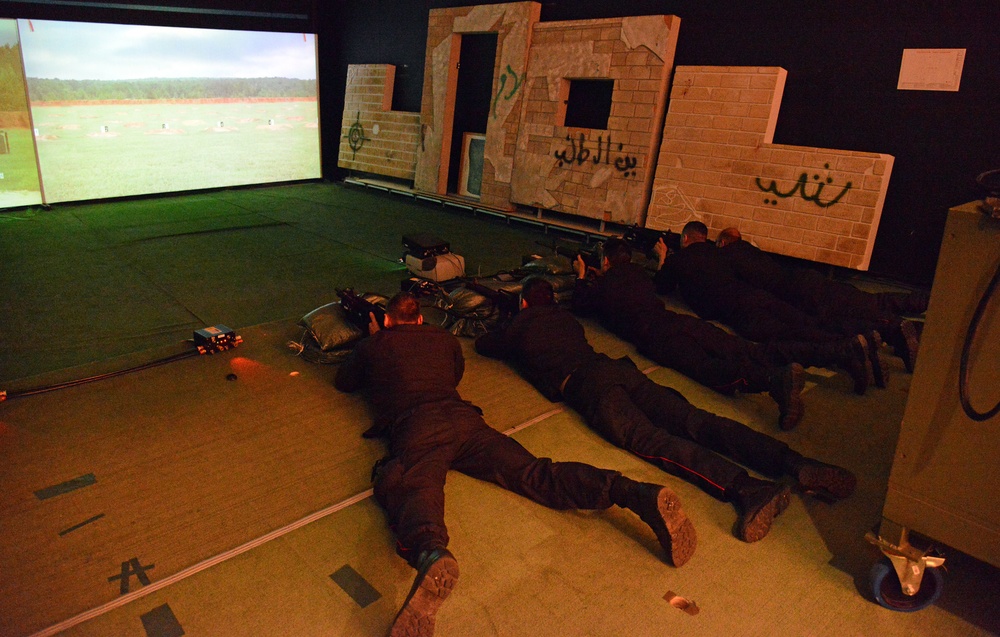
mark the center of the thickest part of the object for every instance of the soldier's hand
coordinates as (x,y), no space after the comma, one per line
(661,251)
(581,267)
(373,325)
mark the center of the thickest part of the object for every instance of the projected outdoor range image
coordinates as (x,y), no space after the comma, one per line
(123,110)
(18,167)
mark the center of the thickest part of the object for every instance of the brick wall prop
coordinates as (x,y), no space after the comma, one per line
(374,138)
(717,163)
(512,22)
(599,174)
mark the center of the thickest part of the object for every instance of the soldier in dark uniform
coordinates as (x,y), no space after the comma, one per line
(411,371)
(839,306)
(549,347)
(624,298)
(708,285)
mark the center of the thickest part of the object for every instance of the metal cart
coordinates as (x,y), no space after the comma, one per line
(946,471)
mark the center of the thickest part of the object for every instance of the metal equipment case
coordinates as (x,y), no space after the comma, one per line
(945,478)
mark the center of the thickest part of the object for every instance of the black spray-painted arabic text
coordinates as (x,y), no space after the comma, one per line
(624,164)
(801,187)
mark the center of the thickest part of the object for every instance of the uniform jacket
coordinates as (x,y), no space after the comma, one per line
(546,343)
(402,368)
(620,298)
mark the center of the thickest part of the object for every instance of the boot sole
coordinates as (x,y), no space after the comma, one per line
(755,526)
(911,344)
(417,616)
(674,530)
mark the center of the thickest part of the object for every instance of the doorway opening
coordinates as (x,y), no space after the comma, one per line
(476,64)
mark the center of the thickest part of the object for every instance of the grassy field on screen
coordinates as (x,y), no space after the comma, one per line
(95,151)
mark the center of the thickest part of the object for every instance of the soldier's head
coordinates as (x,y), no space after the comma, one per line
(728,236)
(403,309)
(693,232)
(616,252)
(536,291)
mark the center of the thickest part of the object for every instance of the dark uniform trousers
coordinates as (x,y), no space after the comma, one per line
(703,352)
(759,316)
(659,425)
(445,435)
(842,307)
(722,361)
(839,306)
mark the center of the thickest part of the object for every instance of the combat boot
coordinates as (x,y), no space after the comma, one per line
(817,478)
(905,343)
(660,508)
(437,574)
(880,370)
(854,359)
(758,503)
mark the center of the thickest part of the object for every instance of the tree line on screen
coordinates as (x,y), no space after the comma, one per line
(56,90)
(11,82)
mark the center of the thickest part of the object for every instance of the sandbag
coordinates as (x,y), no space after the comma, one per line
(555,264)
(330,327)
(560,282)
(474,313)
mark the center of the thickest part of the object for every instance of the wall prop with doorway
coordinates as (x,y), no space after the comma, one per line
(512,22)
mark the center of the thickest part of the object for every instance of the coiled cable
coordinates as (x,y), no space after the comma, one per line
(970,337)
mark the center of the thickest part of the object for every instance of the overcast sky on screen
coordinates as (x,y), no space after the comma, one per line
(8,32)
(88,51)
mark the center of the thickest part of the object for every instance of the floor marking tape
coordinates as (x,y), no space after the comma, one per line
(161,622)
(66,487)
(356,586)
(84,523)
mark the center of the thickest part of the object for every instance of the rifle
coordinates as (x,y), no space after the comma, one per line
(643,239)
(506,300)
(358,309)
(592,258)
(420,287)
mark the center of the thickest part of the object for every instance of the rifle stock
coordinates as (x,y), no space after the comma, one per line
(643,239)
(507,302)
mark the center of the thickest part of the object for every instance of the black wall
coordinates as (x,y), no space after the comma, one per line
(842,59)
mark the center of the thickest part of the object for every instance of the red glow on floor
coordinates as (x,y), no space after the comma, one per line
(243,365)
(6,432)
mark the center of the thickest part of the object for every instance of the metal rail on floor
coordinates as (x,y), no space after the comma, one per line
(583,235)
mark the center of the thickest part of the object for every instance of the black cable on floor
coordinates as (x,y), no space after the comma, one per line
(90,379)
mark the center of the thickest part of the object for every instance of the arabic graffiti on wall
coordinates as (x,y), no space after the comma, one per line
(625,164)
(500,90)
(800,187)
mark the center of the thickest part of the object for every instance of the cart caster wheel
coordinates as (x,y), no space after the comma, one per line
(888,592)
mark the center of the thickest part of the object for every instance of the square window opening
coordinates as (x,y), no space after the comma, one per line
(589,103)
